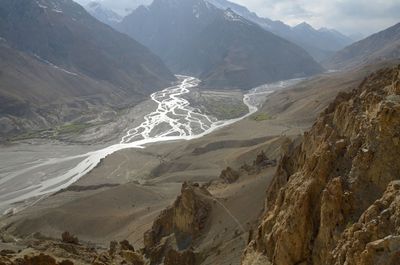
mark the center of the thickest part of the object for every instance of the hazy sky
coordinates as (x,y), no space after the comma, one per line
(347,16)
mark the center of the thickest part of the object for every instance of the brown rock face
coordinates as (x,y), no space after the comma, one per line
(46,251)
(119,253)
(259,163)
(66,237)
(40,259)
(375,238)
(178,226)
(174,257)
(35,259)
(328,185)
(229,175)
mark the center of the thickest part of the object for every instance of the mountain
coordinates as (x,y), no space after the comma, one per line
(253,56)
(103,14)
(384,45)
(35,94)
(123,7)
(81,60)
(222,48)
(320,43)
(335,196)
(63,33)
(356,36)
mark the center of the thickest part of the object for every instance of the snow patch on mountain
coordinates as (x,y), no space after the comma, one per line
(232,16)
(53,65)
(102,13)
(196,12)
(41,5)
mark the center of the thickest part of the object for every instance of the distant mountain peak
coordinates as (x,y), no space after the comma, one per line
(304,26)
(102,13)
(378,47)
(320,44)
(218,45)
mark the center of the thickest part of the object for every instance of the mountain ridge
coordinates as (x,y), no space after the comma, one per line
(381,46)
(103,14)
(326,203)
(66,32)
(319,44)
(83,61)
(196,38)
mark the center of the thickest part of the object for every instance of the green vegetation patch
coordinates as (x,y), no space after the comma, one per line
(73,128)
(26,135)
(260,117)
(225,109)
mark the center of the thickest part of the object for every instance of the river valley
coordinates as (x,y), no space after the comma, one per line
(48,168)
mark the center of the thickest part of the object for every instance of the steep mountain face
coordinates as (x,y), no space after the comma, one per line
(103,14)
(64,34)
(381,46)
(58,63)
(34,94)
(243,55)
(167,27)
(178,226)
(335,196)
(320,43)
(222,48)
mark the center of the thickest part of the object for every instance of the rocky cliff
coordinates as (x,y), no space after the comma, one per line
(170,241)
(40,250)
(171,237)
(335,196)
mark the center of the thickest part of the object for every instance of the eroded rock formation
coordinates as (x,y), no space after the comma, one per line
(178,226)
(327,203)
(229,175)
(45,251)
(375,238)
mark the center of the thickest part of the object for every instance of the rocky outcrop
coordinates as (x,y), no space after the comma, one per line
(177,227)
(229,175)
(40,250)
(39,259)
(174,257)
(327,202)
(119,253)
(66,237)
(261,162)
(375,238)
(171,240)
